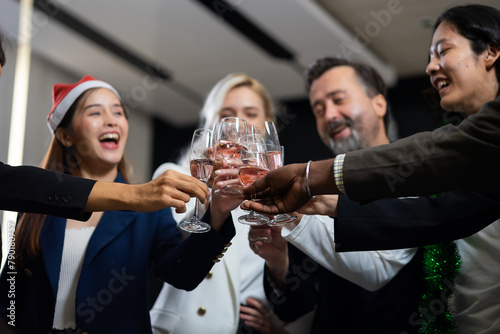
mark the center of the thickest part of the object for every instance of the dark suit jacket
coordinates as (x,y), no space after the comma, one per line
(342,306)
(463,157)
(112,293)
(32,189)
(410,222)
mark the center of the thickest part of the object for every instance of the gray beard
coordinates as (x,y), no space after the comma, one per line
(344,145)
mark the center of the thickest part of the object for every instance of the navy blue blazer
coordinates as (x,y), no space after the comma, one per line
(112,293)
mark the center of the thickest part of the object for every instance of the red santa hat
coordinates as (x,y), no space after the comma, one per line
(64,95)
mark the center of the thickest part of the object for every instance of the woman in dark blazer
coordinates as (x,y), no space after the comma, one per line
(72,276)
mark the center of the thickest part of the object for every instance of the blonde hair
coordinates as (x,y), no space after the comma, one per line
(210,112)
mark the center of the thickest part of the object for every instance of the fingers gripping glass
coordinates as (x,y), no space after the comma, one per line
(276,155)
(202,163)
(253,167)
(231,137)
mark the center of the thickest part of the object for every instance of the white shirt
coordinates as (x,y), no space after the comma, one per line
(75,246)
(371,270)
(476,303)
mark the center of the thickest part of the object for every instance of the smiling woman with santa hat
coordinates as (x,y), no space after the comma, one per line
(73,276)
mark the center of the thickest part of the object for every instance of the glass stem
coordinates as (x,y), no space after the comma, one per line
(252,212)
(196,214)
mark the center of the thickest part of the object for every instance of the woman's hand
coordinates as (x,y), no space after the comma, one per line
(170,189)
(223,203)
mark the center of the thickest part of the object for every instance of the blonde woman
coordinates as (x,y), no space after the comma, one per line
(231,299)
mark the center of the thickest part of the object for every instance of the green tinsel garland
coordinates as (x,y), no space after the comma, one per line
(441,264)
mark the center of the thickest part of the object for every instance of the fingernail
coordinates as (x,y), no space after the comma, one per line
(217,172)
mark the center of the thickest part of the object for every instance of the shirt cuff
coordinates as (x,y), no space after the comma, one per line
(338,172)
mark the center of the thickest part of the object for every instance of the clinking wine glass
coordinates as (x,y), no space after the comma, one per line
(231,137)
(253,167)
(275,155)
(201,165)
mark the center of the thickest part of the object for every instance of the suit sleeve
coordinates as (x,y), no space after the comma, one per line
(32,189)
(185,265)
(411,222)
(463,157)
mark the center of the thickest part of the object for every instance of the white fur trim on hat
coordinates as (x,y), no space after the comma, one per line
(60,111)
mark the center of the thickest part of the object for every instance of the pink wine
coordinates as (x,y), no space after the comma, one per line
(228,149)
(274,159)
(202,168)
(249,174)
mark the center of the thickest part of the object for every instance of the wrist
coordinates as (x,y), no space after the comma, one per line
(217,218)
(320,178)
(107,196)
(278,269)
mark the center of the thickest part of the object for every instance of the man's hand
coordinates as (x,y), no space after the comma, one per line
(285,189)
(223,203)
(282,190)
(274,250)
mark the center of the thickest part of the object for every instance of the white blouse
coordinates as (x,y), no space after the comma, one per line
(371,270)
(75,246)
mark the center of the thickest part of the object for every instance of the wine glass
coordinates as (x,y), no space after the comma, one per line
(202,163)
(253,167)
(231,138)
(275,155)
(270,133)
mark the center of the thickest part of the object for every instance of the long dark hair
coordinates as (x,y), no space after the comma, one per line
(61,159)
(478,23)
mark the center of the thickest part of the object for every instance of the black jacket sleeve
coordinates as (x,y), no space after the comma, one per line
(32,189)
(411,222)
(463,157)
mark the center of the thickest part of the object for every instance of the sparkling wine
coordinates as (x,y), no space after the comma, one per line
(202,168)
(274,159)
(250,174)
(229,149)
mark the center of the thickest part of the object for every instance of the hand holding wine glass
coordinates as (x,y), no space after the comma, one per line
(202,163)
(276,155)
(254,165)
(231,138)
